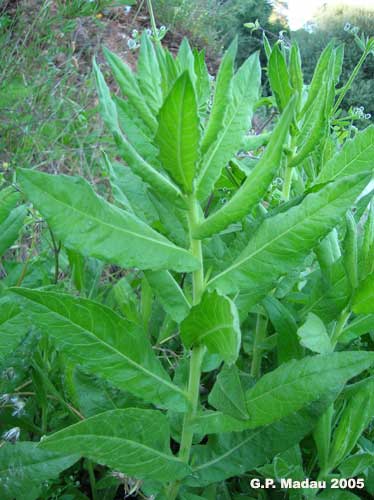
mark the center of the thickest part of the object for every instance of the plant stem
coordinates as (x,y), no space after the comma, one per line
(260,334)
(197,354)
(340,324)
(287,183)
(348,85)
(152,17)
(91,475)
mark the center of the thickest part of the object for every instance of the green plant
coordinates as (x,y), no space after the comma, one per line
(228,334)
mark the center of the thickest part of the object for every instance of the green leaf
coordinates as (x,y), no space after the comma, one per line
(359,326)
(313,335)
(228,455)
(14,325)
(214,322)
(279,78)
(296,73)
(131,192)
(131,128)
(237,120)
(356,464)
(314,126)
(11,218)
(355,418)
(282,242)
(132,441)
(295,384)
(130,88)
(178,133)
(363,300)
(103,343)
(222,97)
(203,80)
(256,184)
(318,76)
(227,394)
(87,223)
(356,156)
(337,495)
(288,346)
(24,467)
(327,300)
(169,293)
(149,74)
(128,151)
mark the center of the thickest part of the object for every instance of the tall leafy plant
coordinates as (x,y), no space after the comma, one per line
(242,278)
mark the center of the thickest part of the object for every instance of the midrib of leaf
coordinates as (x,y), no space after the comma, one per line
(233,401)
(269,243)
(117,228)
(115,441)
(230,451)
(130,361)
(179,144)
(322,297)
(224,326)
(36,463)
(361,152)
(293,381)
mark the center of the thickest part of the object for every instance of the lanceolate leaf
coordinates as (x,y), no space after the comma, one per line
(288,346)
(356,156)
(318,76)
(283,241)
(232,454)
(149,74)
(130,88)
(237,120)
(222,96)
(90,225)
(328,300)
(363,302)
(11,217)
(132,441)
(295,384)
(228,394)
(214,323)
(11,227)
(127,150)
(354,420)
(103,343)
(14,325)
(24,467)
(178,132)
(279,78)
(169,293)
(256,184)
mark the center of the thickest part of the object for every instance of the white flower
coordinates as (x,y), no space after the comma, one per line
(12,435)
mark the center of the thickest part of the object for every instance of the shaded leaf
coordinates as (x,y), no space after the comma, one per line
(103,343)
(139,437)
(24,467)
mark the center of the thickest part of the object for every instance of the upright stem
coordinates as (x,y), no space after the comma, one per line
(287,183)
(348,85)
(197,354)
(152,17)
